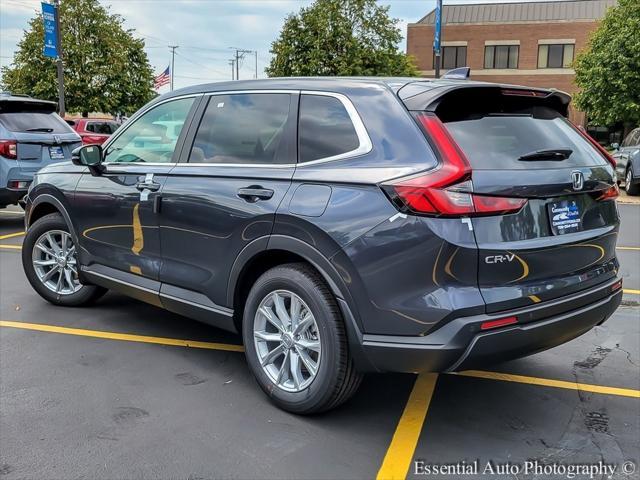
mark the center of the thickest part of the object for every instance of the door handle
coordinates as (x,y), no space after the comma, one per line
(151,186)
(255,193)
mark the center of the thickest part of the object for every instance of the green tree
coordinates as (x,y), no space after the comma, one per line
(608,71)
(105,68)
(340,37)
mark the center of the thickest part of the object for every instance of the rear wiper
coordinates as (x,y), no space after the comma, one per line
(42,129)
(556,154)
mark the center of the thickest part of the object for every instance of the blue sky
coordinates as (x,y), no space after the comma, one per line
(205,30)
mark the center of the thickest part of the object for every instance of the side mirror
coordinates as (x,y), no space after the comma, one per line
(615,146)
(88,156)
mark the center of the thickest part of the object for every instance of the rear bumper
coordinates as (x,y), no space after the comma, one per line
(10,197)
(461,345)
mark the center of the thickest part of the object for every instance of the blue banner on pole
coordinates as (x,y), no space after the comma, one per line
(438,29)
(50,31)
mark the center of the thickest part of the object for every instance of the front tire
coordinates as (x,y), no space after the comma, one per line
(50,263)
(295,341)
(630,187)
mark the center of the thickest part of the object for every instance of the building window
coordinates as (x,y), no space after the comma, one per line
(452,57)
(555,56)
(501,56)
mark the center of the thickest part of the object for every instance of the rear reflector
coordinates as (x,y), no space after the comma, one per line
(447,190)
(501,322)
(616,286)
(9,149)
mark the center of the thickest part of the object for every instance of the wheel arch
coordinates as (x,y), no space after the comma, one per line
(45,204)
(267,252)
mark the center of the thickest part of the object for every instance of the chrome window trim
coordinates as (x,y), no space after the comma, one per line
(365,145)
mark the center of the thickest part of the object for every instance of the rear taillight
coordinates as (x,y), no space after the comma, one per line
(599,147)
(446,190)
(9,149)
(610,193)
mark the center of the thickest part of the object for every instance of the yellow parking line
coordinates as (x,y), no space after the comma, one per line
(127,337)
(11,235)
(546,382)
(398,458)
(11,247)
(629,290)
(627,248)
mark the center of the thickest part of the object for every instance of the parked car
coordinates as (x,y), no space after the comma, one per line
(627,157)
(342,225)
(32,136)
(94,131)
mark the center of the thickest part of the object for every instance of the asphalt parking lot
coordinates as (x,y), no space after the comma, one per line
(126,390)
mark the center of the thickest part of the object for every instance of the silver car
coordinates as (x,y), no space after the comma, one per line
(32,136)
(627,158)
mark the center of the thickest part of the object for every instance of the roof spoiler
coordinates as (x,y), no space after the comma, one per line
(462,73)
(15,103)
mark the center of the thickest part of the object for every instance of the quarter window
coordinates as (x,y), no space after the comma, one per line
(151,138)
(243,128)
(555,56)
(325,128)
(501,56)
(452,57)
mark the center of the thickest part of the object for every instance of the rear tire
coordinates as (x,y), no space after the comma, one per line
(630,187)
(331,378)
(54,274)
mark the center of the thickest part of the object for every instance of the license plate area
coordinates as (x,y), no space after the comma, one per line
(565,216)
(56,153)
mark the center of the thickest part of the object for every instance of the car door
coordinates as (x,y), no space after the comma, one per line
(115,210)
(238,167)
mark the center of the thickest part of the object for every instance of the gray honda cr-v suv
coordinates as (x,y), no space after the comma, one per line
(342,225)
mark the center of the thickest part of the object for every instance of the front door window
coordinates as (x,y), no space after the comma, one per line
(152,138)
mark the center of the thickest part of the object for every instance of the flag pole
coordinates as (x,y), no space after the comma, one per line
(173,56)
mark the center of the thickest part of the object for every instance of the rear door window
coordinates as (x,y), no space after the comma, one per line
(247,128)
(103,128)
(325,128)
(34,122)
(496,141)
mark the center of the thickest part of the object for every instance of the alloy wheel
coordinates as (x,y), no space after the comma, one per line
(286,340)
(628,179)
(55,262)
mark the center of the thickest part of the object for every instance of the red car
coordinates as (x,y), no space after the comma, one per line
(93,130)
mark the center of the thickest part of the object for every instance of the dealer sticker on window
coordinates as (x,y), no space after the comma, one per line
(565,217)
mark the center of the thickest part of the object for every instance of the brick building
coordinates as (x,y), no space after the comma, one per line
(527,43)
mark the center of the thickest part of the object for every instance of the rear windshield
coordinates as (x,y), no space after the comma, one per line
(34,122)
(498,141)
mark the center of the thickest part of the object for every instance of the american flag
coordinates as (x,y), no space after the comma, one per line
(162,79)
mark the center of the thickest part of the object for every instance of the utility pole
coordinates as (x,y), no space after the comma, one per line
(240,53)
(59,64)
(232,62)
(256,54)
(173,57)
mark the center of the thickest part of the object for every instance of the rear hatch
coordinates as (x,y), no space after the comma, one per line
(41,136)
(557,232)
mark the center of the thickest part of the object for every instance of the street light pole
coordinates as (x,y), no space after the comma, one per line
(173,57)
(59,64)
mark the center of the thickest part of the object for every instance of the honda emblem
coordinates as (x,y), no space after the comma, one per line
(578,180)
